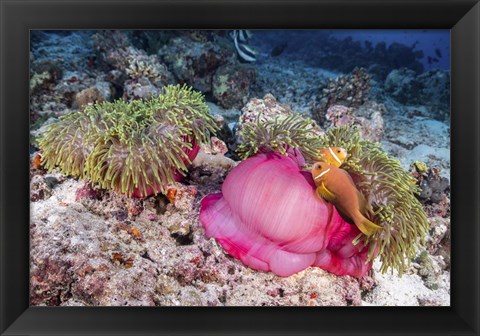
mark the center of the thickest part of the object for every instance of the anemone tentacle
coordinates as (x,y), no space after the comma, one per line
(129,146)
(391,193)
(280,134)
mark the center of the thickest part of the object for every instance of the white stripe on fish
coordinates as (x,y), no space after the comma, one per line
(334,155)
(320,175)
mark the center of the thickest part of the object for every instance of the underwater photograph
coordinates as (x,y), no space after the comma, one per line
(240,168)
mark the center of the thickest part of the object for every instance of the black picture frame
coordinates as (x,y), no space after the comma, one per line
(17,17)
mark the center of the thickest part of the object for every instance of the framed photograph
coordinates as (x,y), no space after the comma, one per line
(239,168)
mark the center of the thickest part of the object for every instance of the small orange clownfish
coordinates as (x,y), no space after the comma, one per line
(334,156)
(336,186)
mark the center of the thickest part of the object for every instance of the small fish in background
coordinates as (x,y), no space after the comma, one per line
(432,60)
(336,186)
(278,49)
(240,37)
(438,52)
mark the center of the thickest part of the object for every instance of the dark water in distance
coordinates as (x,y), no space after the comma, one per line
(432,46)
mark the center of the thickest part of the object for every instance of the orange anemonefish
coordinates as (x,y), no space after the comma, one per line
(336,186)
(334,156)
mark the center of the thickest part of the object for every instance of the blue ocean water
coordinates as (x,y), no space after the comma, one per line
(433,43)
(431,48)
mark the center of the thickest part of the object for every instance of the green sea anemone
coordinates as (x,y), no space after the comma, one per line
(388,188)
(279,134)
(390,192)
(136,148)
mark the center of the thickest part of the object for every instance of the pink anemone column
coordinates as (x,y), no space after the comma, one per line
(270,218)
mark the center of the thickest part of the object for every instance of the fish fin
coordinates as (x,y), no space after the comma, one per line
(326,194)
(363,205)
(366,226)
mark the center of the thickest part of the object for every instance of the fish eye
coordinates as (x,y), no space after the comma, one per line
(338,151)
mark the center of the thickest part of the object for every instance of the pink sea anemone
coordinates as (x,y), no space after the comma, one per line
(269,217)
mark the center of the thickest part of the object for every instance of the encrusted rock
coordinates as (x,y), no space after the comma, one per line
(212,157)
(433,186)
(231,85)
(351,90)
(41,187)
(262,109)
(433,86)
(429,269)
(50,278)
(368,117)
(116,50)
(438,240)
(436,89)
(402,85)
(87,96)
(195,62)
(140,88)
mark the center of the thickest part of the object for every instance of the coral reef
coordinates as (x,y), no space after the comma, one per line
(402,85)
(408,87)
(351,91)
(436,90)
(108,143)
(368,118)
(111,45)
(438,240)
(69,60)
(152,40)
(147,74)
(291,83)
(39,188)
(88,96)
(266,109)
(59,53)
(39,80)
(148,66)
(433,186)
(195,62)
(428,270)
(225,133)
(322,49)
(231,85)
(230,116)
(140,88)
(93,246)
